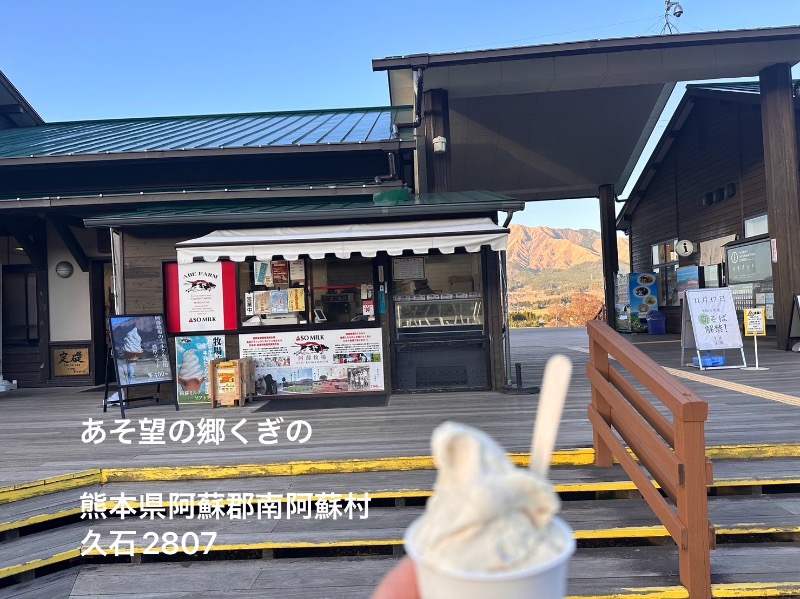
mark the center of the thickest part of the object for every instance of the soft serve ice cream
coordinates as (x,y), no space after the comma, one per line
(191,374)
(486,514)
(132,344)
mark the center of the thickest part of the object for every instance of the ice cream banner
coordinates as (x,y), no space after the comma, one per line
(141,353)
(192,357)
(338,361)
(201,303)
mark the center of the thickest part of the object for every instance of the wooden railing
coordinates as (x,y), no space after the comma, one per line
(670,453)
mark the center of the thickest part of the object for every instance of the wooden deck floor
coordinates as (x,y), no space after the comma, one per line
(40,430)
(40,436)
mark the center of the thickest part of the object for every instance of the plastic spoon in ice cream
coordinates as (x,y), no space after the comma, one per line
(555,384)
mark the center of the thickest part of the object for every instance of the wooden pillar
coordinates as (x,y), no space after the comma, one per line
(436,120)
(783,189)
(608,236)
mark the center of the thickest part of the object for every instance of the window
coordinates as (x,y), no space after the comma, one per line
(282,292)
(438,295)
(665,264)
(11,252)
(758,225)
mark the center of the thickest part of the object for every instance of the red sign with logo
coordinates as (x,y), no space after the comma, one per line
(200,296)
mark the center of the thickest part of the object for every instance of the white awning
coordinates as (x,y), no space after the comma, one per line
(342,240)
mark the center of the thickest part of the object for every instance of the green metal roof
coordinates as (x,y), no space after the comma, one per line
(257,130)
(748,87)
(352,208)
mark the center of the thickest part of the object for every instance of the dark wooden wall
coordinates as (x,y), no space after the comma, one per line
(720,143)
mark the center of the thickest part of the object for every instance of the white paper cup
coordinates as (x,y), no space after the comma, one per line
(547,580)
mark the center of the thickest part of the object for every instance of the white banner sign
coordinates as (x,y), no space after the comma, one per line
(339,361)
(712,319)
(200,296)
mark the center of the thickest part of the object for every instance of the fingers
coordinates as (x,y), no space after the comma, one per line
(399,583)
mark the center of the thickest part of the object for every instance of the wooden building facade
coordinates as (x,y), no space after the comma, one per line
(707,183)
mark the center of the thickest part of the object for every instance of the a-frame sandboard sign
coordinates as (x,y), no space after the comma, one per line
(141,357)
(709,323)
(794,327)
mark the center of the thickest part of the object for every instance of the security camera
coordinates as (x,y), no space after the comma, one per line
(678,10)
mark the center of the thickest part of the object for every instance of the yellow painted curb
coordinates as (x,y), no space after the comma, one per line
(38,519)
(47,486)
(39,563)
(642,593)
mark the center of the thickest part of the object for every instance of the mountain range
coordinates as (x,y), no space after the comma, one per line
(551,267)
(543,248)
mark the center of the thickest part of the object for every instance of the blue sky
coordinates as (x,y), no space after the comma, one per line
(91,59)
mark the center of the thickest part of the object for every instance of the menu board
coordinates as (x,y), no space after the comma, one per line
(140,349)
(408,268)
(337,361)
(709,320)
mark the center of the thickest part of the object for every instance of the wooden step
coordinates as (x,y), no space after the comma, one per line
(598,521)
(638,573)
(731,476)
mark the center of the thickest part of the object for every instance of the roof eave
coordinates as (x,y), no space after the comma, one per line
(385,146)
(102,199)
(585,47)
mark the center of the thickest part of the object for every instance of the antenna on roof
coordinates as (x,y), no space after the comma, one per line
(671,9)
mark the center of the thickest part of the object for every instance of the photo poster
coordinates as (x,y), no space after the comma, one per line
(193,354)
(688,278)
(337,361)
(711,318)
(643,293)
(141,353)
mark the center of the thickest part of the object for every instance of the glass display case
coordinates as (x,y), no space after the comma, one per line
(435,315)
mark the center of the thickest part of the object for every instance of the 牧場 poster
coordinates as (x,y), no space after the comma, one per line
(193,354)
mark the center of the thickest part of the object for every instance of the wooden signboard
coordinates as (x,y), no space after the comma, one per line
(232,382)
(709,323)
(71,361)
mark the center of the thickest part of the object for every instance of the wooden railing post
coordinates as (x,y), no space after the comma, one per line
(598,357)
(692,504)
(670,453)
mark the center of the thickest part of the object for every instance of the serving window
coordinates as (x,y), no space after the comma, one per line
(438,295)
(303,291)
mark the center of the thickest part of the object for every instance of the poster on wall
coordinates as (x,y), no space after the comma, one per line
(140,348)
(193,354)
(688,278)
(338,361)
(280,272)
(262,273)
(200,296)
